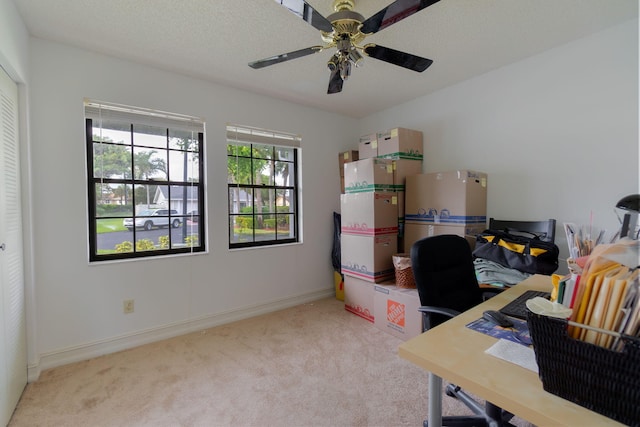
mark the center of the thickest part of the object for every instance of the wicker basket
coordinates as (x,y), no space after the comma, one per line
(404,272)
(602,380)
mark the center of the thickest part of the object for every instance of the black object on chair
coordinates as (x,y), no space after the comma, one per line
(545,230)
(447,285)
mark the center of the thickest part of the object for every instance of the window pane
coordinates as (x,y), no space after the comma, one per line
(111,161)
(285,226)
(283,173)
(113,237)
(284,200)
(113,200)
(183,140)
(239,170)
(262,151)
(265,200)
(150,164)
(261,172)
(144,243)
(184,166)
(112,130)
(241,228)
(265,227)
(144,195)
(240,200)
(150,136)
(284,153)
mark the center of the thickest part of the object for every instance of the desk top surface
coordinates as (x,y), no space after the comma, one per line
(456,353)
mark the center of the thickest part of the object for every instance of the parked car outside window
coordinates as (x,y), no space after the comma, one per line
(150,218)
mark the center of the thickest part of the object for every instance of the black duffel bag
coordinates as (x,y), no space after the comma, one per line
(523,251)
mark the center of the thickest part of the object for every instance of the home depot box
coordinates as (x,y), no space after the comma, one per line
(368,146)
(403,168)
(368,175)
(400,143)
(368,257)
(371,213)
(396,311)
(358,297)
(448,198)
(415,231)
(346,157)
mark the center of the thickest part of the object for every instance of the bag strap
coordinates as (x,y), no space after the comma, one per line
(522,233)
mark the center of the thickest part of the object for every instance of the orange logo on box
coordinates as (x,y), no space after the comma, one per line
(395,312)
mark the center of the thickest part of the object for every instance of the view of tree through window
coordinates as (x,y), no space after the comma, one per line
(262,181)
(146,194)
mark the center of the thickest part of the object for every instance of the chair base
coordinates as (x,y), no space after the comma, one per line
(462,421)
(488,415)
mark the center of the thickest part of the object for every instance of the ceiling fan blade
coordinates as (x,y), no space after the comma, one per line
(392,56)
(396,11)
(335,82)
(284,57)
(308,14)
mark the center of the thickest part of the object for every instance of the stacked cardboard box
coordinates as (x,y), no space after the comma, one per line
(453,202)
(369,210)
(372,209)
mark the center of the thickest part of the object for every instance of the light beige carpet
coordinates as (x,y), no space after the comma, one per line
(310,365)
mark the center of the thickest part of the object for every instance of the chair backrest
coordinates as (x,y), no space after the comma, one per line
(546,229)
(444,273)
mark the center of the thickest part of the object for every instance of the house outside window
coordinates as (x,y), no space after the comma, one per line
(146,189)
(263,177)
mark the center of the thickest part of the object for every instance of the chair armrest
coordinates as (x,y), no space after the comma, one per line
(490,293)
(428,309)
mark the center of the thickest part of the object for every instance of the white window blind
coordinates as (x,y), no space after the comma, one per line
(98,110)
(249,135)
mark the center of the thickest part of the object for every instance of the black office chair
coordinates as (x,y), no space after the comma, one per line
(446,281)
(545,230)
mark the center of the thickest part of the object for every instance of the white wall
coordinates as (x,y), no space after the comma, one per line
(80,305)
(557,133)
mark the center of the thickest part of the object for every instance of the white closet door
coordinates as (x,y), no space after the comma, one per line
(13,343)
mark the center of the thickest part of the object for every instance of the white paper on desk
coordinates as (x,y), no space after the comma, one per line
(514,353)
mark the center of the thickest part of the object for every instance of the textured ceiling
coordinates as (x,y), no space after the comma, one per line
(216,39)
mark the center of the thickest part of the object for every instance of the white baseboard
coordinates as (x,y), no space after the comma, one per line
(135,339)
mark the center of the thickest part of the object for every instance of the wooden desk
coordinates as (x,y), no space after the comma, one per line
(456,353)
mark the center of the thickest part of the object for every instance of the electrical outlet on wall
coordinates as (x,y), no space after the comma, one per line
(127,306)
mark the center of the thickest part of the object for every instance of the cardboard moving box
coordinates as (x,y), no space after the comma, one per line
(358,297)
(371,213)
(368,175)
(368,257)
(454,197)
(396,311)
(368,146)
(416,231)
(400,143)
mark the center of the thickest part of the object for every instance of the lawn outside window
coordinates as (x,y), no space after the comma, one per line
(263,176)
(146,188)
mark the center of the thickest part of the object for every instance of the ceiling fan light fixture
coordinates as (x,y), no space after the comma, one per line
(355,56)
(345,68)
(333,63)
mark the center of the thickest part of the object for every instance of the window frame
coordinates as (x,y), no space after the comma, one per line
(259,137)
(137,117)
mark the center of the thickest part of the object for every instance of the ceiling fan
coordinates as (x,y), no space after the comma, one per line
(345,30)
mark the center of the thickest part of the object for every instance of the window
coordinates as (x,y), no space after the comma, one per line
(146,194)
(262,169)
